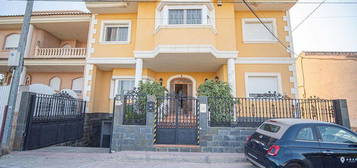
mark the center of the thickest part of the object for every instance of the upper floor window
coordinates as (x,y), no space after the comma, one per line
(12,42)
(183,15)
(255,32)
(116,32)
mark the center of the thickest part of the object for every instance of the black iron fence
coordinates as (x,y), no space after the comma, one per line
(251,112)
(53,119)
(57,107)
(134,108)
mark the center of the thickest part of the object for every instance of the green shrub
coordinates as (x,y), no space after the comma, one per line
(135,109)
(151,88)
(220,102)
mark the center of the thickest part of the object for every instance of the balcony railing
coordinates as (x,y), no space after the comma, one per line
(60,52)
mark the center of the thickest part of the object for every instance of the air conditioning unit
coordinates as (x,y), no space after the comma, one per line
(14,58)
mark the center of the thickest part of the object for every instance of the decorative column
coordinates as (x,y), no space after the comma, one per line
(231,63)
(138,71)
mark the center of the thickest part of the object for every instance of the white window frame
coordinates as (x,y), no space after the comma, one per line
(114,83)
(264,74)
(244,30)
(121,23)
(162,16)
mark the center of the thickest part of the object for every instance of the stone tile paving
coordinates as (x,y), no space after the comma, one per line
(76,157)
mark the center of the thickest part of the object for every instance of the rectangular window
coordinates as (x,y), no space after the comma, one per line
(116,32)
(123,86)
(185,16)
(262,86)
(254,31)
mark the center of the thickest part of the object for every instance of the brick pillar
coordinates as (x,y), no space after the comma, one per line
(341,112)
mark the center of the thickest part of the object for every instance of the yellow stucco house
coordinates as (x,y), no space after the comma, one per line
(181,44)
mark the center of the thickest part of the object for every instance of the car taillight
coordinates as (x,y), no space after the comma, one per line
(273,150)
(248,139)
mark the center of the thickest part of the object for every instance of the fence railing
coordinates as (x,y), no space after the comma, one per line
(60,52)
(57,107)
(134,109)
(251,112)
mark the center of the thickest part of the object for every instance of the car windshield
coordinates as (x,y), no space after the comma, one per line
(337,135)
(270,127)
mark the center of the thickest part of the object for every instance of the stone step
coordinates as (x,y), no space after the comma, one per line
(132,156)
(193,157)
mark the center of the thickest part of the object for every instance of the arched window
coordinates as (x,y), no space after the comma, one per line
(55,83)
(77,85)
(12,42)
(67,46)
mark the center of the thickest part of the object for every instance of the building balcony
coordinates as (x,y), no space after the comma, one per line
(60,52)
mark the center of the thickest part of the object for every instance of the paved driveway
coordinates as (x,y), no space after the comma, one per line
(74,157)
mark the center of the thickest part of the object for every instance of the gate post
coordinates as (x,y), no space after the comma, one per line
(118,118)
(341,112)
(203,118)
(150,110)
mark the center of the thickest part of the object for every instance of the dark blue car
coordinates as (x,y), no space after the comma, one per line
(297,143)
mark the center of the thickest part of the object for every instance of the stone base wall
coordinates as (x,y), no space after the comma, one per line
(224,139)
(133,137)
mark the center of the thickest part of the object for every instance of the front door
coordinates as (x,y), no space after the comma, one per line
(176,120)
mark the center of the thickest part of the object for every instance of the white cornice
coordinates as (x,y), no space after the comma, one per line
(49,62)
(264,60)
(46,19)
(111,60)
(174,49)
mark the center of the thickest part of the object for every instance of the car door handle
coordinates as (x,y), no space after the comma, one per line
(328,152)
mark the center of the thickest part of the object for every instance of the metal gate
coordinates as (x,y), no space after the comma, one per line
(177,120)
(53,119)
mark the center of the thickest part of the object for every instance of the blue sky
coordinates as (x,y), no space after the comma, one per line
(333,27)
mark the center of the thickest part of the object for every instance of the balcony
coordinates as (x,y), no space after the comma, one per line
(60,52)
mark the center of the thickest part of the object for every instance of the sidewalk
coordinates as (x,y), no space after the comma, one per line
(75,157)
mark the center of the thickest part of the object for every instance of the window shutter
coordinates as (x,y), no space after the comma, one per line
(262,84)
(255,31)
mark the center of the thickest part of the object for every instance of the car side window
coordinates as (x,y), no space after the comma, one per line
(305,134)
(336,135)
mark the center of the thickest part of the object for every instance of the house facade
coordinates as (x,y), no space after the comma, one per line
(337,80)
(56,48)
(182,44)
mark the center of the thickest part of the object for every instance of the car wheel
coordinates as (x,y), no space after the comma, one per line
(293,165)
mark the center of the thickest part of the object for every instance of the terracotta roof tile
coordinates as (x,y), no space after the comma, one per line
(332,53)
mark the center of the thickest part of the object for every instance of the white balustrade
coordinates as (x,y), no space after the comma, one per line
(60,52)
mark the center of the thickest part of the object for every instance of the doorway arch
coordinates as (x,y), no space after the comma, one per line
(187,80)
